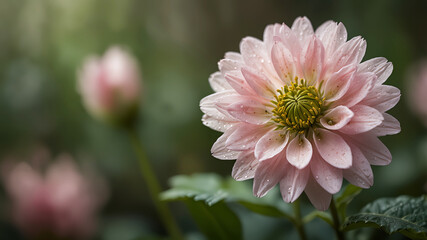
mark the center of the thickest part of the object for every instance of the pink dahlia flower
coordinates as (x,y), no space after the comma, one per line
(110,86)
(300,109)
(417,90)
(59,204)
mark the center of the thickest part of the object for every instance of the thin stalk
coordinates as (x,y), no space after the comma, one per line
(154,187)
(298,220)
(337,222)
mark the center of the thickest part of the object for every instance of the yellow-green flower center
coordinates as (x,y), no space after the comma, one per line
(298,107)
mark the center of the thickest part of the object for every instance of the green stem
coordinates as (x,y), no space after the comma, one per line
(337,222)
(154,187)
(298,220)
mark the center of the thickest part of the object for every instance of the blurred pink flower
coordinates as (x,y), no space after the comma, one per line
(417,90)
(62,203)
(300,109)
(110,86)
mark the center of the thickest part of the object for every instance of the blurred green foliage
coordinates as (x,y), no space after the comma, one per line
(178,43)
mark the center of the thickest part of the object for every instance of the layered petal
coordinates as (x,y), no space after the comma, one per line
(247,109)
(365,119)
(245,136)
(389,126)
(219,148)
(382,97)
(333,148)
(327,176)
(359,88)
(284,62)
(218,82)
(271,144)
(256,56)
(349,53)
(269,33)
(303,29)
(299,152)
(336,118)
(318,196)
(360,173)
(380,66)
(337,85)
(245,166)
(220,124)
(259,83)
(268,174)
(293,183)
(332,35)
(312,60)
(373,149)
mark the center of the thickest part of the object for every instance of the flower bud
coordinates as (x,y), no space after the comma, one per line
(417,76)
(110,86)
(60,204)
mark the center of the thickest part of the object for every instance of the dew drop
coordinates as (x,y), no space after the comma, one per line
(262,60)
(317,177)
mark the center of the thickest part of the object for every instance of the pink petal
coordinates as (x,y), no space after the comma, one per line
(359,88)
(289,40)
(245,166)
(245,136)
(349,53)
(336,118)
(208,104)
(303,29)
(312,60)
(218,82)
(389,126)
(270,144)
(360,174)
(219,148)
(219,124)
(239,84)
(234,56)
(365,118)
(329,177)
(259,83)
(256,56)
(337,85)
(227,65)
(382,97)
(320,198)
(379,66)
(269,33)
(268,174)
(249,110)
(373,149)
(283,62)
(332,35)
(293,183)
(299,152)
(333,149)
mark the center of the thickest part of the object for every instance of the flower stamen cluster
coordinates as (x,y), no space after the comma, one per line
(298,106)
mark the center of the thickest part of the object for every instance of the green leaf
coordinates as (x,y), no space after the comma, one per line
(200,187)
(322,215)
(403,214)
(212,189)
(346,196)
(216,221)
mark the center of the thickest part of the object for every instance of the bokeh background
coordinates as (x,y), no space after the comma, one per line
(178,44)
